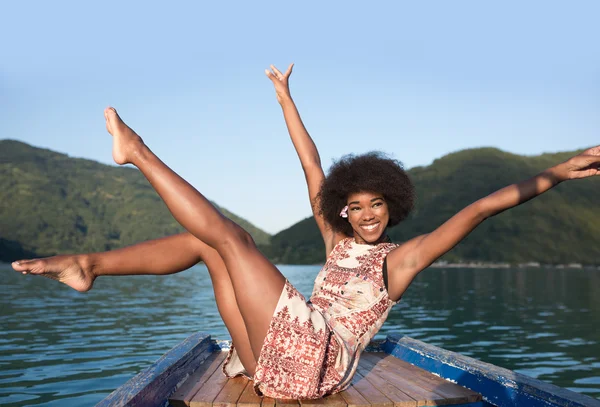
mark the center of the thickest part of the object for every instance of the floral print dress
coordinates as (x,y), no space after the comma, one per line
(312,348)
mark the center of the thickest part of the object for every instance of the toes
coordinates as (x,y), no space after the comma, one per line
(113,120)
(27,266)
(110,113)
(20,264)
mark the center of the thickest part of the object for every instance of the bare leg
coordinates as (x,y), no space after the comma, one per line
(256,282)
(167,255)
(156,257)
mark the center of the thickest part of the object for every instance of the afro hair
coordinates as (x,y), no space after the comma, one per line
(370,172)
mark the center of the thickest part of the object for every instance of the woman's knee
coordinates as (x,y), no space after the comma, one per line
(234,237)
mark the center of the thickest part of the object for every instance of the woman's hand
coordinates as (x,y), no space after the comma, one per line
(583,165)
(281,82)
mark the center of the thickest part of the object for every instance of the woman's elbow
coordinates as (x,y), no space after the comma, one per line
(312,166)
(482,210)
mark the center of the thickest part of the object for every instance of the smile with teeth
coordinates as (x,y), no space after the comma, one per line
(369,227)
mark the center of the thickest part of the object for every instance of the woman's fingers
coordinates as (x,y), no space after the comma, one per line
(584,162)
(590,172)
(289,70)
(278,74)
(272,76)
(592,160)
(584,165)
(275,73)
(592,151)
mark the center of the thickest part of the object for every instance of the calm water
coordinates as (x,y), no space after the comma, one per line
(62,348)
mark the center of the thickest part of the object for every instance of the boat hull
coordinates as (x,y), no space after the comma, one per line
(498,386)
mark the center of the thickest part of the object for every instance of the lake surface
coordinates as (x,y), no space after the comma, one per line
(59,347)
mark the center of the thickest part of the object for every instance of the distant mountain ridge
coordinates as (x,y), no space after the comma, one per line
(561,226)
(51,203)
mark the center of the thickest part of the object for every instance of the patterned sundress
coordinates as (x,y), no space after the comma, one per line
(312,348)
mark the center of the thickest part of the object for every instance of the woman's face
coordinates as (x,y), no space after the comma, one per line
(369,216)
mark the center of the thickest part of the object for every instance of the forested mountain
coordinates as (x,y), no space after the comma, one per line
(51,203)
(561,226)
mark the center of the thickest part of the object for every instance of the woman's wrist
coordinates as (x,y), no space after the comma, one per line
(284,99)
(558,173)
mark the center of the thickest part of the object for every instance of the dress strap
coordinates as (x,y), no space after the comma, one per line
(385,273)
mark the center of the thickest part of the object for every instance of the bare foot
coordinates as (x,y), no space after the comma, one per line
(70,270)
(126,143)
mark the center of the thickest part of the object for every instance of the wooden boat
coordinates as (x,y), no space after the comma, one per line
(399,371)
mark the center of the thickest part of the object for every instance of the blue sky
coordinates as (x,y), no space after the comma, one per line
(415,79)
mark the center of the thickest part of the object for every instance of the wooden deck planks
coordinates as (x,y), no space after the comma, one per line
(397,396)
(231,392)
(381,381)
(210,390)
(286,403)
(353,397)
(373,396)
(452,393)
(183,395)
(423,397)
(267,402)
(333,400)
(248,398)
(441,386)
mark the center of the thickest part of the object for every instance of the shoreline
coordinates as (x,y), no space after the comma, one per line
(531,264)
(472,265)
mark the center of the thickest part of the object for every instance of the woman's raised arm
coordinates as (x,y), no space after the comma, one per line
(305,147)
(405,262)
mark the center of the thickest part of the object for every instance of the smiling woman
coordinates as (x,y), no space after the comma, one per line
(365,274)
(347,184)
(289,347)
(369,215)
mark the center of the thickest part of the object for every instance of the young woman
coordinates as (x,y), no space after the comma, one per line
(293,348)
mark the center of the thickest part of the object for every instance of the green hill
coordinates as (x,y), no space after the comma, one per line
(560,226)
(51,203)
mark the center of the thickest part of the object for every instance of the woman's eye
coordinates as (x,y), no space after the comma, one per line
(377,204)
(355,208)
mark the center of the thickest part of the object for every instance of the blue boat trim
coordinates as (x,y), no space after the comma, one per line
(500,387)
(153,386)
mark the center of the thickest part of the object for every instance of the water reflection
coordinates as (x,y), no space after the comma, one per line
(539,322)
(60,347)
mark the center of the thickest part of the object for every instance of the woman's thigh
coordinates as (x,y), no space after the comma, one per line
(228,306)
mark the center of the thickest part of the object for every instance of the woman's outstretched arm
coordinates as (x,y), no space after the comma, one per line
(306,149)
(409,259)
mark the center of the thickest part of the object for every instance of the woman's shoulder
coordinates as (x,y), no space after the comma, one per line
(336,241)
(387,246)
